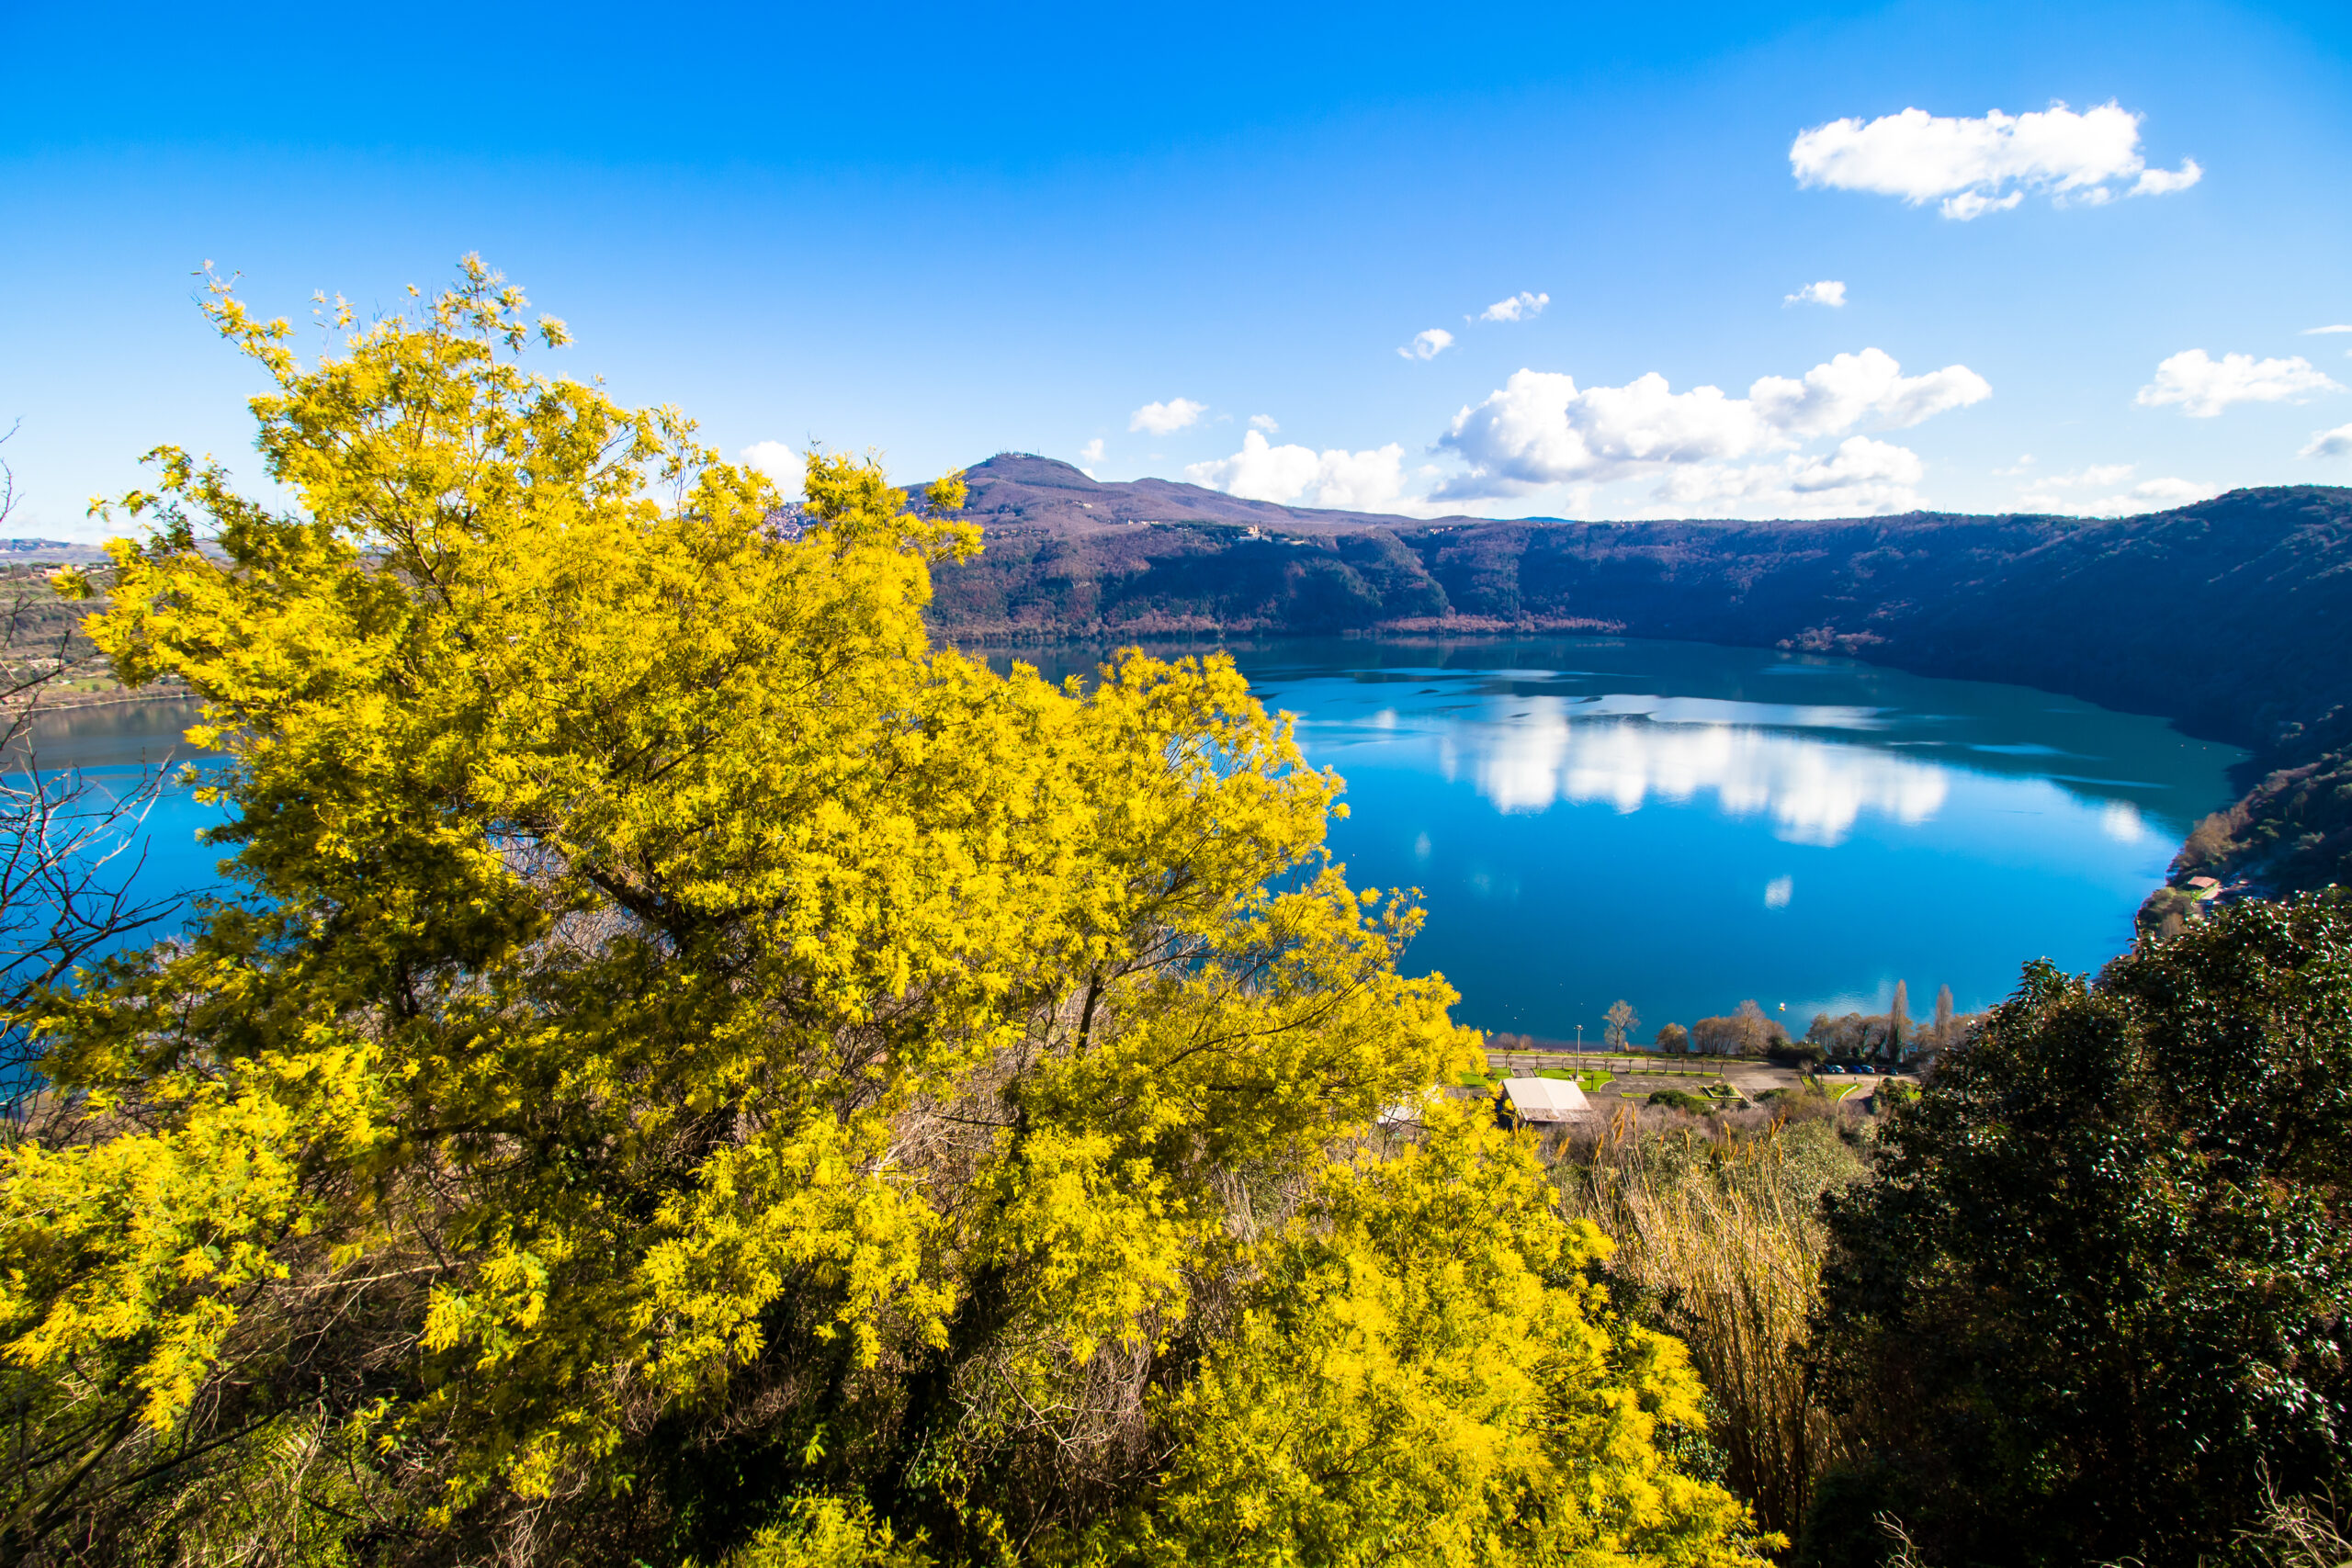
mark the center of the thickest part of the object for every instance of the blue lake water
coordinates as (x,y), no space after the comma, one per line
(1685,826)
(1676,824)
(111,749)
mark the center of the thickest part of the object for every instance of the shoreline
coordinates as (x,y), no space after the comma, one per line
(120,697)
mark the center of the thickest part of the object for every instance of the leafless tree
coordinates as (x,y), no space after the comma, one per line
(72,843)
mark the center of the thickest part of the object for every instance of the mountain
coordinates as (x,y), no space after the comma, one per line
(1014,491)
(50,552)
(2233,617)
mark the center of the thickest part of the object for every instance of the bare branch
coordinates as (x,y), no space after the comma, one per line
(73,843)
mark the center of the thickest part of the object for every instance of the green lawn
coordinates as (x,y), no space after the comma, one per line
(1589,1082)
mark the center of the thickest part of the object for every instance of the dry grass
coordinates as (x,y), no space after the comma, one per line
(2300,1532)
(1720,1240)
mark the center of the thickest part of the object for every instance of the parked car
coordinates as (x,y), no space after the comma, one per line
(1833,1067)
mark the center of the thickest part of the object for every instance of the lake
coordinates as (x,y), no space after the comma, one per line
(1676,824)
(110,746)
(1685,826)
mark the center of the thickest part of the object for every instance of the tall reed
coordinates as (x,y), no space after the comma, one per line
(1720,1241)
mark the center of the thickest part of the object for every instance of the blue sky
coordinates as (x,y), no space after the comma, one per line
(947,233)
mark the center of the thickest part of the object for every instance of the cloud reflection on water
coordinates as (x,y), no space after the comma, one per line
(2120,819)
(1813,789)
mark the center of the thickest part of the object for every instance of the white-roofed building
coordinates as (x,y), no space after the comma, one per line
(1405,1113)
(1546,1101)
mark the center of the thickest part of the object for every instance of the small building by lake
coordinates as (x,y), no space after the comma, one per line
(1543,1103)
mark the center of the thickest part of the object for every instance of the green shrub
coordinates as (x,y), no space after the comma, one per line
(2097,1295)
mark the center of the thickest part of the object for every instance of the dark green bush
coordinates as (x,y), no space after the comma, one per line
(2095,1296)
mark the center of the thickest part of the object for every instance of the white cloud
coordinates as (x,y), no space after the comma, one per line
(2148,495)
(1851,387)
(1521,307)
(2160,182)
(2322,332)
(2203,386)
(1163,419)
(1540,429)
(2337,443)
(1968,204)
(1264,422)
(776,460)
(1428,344)
(1364,481)
(1828,291)
(1091,452)
(2161,493)
(1862,478)
(2094,474)
(1977,166)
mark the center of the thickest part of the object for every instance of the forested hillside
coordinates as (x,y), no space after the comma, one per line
(2233,617)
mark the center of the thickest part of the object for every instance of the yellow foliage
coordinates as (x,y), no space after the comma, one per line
(659,975)
(1427,1378)
(825,1532)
